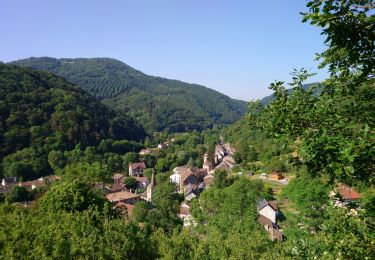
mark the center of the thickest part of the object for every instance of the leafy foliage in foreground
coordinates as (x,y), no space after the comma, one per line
(157,102)
(336,128)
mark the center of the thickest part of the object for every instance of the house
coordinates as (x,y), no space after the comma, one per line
(207,166)
(117,178)
(200,173)
(31,185)
(276,176)
(116,187)
(137,169)
(49,179)
(150,188)
(183,176)
(219,153)
(190,191)
(145,152)
(348,194)
(176,176)
(268,214)
(345,194)
(184,214)
(124,196)
(142,182)
(9,181)
(201,187)
(227,163)
(188,177)
(268,209)
(184,210)
(163,145)
(272,228)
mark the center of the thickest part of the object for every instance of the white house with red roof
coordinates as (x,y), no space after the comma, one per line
(268,209)
(137,169)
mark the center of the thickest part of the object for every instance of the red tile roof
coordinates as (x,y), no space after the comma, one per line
(122,195)
(208,179)
(141,179)
(134,166)
(348,193)
(272,204)
(184,211)
(128,207)
(116,187)
(117,176)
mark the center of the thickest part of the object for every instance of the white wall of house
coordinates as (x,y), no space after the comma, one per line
(269,213)
(175,178)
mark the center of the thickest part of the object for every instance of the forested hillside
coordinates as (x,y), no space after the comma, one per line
(157,102)
(41,112)
(255,150)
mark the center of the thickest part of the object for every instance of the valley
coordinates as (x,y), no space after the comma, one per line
(100,161)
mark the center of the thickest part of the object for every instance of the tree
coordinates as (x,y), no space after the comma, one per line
(252,154)
(162,165)
(237,157)
(130,183)
(73,196)
(336,128)
(20,169)
(349,29)
(140,211)
(222,179)
(166,203)
(56,160)
(18,194)
(309,195)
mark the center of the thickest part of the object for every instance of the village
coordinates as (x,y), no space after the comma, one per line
(189,182)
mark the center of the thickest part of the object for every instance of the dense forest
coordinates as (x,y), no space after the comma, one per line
(158,103)
(41,112)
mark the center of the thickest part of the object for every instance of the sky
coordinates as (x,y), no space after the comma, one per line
(237,47)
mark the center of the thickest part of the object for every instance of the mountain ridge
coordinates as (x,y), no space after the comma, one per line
(158,103)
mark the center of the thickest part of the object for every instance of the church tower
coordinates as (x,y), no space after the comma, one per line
(150,188)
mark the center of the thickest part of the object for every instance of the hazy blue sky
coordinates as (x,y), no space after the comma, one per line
(235,47)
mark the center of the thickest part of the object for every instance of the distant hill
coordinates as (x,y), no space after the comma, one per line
(44,111)
(266,100)
(158,103)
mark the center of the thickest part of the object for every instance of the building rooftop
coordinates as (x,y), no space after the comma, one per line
(122,195)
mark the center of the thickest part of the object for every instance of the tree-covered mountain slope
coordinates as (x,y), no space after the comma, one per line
(157,102)
(44,111)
